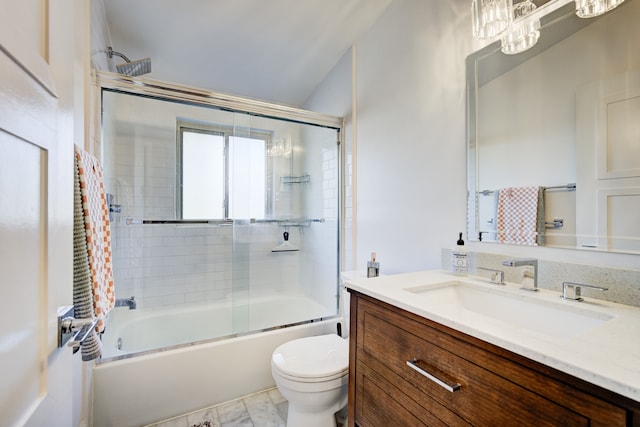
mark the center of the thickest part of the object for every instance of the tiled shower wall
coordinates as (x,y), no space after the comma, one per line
(167,264)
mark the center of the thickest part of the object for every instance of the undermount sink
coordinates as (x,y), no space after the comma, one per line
(523,311)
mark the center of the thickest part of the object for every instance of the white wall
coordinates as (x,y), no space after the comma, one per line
(410,146)
(334,97)
(100,37)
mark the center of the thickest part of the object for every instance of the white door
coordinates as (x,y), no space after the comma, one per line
(39,89)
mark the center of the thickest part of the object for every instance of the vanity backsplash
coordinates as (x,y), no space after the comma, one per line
(623,285)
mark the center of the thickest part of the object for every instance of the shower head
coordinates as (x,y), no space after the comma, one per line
(135,68)
(131,68)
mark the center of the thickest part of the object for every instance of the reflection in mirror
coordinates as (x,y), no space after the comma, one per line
(554,136)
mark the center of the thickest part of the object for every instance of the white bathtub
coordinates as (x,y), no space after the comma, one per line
(156,385)
(134,331)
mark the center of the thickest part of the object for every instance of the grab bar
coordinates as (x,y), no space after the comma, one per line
(296,222)
(133,221)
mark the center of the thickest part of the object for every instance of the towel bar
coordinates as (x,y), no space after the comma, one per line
(568,187)
(71,331)
(556,223)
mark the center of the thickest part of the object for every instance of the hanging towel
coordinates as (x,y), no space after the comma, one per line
(541,225)
(518,212)
(82,294)
(98,234)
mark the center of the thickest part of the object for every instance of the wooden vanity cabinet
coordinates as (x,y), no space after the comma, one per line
(474,382)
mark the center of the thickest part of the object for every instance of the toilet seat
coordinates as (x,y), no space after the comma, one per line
(312,359)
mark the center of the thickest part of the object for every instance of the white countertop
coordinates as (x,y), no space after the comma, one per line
(607,355)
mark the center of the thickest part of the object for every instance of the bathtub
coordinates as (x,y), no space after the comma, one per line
(137,384)
(133,332)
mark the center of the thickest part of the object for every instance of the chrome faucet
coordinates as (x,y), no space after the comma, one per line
(497,276)
(520,262)
(572,291)
(127,302)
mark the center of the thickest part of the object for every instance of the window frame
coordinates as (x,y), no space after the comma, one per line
(226,132)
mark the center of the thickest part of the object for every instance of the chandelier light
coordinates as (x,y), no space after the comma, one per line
(592,8)
(514,25)
(523,33)
(490,17)
(280,147)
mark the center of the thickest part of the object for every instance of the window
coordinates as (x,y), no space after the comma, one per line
(223,176)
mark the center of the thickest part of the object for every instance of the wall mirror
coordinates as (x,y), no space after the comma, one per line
(562,122)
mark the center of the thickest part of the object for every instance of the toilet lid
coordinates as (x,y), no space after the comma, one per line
(312,357)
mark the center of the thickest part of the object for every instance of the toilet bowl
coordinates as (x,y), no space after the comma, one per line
(312,373)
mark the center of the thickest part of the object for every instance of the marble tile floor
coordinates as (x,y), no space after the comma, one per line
(267,408)
(264,409)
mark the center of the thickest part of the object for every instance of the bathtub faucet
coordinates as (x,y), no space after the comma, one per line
(128,302)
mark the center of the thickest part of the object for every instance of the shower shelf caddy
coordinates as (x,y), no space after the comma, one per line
(300,223)
(295,179)
(294,222)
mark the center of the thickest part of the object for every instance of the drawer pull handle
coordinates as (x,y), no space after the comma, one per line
(413,364)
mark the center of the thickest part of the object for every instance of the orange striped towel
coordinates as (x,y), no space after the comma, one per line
(518,215)
(98,229)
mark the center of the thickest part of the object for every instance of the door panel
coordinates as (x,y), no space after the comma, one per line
(23,319)
(38,88)
(24,36)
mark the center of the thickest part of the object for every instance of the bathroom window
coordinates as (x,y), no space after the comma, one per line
(222,175)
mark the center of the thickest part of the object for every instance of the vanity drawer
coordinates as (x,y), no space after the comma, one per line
(493,390)
(383,402)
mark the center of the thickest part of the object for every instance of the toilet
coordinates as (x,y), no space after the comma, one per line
(312,373)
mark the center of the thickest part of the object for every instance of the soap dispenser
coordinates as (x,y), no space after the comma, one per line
(459,265)
(373,266)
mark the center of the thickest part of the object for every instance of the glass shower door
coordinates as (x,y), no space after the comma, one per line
(285,199)
(202,199)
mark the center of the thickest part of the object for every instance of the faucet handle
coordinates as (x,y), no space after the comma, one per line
(497,276)
(572,291)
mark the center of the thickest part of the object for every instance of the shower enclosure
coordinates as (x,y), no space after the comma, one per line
(203,188)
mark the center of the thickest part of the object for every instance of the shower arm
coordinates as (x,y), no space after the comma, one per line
(110,52)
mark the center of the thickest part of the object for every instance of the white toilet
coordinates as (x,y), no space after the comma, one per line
(312,373)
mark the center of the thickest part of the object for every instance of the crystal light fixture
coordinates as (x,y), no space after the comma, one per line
(513,23)
(280,147)
(490,17)
(523,33)
(592,8)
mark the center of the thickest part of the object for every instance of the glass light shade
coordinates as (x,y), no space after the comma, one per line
(490,17)
(591,8)
(523,37)
(524,34)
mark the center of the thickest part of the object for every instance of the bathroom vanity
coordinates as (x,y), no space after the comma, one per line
(423,353)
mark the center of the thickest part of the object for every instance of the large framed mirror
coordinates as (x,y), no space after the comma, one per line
(554,135)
